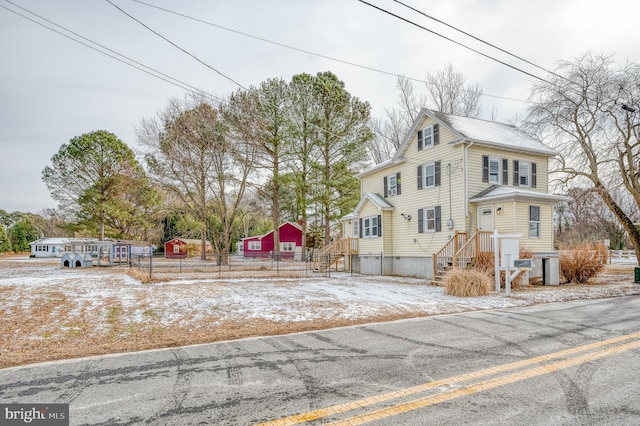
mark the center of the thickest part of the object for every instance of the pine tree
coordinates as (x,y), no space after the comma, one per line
(5,245)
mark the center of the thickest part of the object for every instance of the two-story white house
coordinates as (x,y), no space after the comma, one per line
(450,184)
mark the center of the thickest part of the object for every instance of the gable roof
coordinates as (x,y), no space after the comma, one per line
(481,132)
(259,237)
(490,133)
(377,199)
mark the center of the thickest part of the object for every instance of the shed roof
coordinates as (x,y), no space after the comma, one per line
(502,193)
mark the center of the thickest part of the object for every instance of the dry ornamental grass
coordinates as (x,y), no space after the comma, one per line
(580,263)
(467,283)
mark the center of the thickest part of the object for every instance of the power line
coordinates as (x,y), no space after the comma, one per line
(176,46)
(212,68)
(578,91)
(453,41)
(308,52)
(175,81)
(477,38)
(491,45)
(95,49)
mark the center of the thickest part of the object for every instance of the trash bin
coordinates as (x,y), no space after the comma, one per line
(637,275)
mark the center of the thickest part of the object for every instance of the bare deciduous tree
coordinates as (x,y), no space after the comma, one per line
(448,92)
(588,111)
(192,153)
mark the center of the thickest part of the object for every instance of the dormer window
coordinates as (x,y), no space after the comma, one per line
(428,137)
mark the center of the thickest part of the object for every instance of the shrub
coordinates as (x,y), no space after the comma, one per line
(467,283)
(582,262)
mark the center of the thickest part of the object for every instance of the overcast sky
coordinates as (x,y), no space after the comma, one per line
(52,88)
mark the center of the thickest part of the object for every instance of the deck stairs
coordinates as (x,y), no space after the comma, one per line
(331,254)
(460,252)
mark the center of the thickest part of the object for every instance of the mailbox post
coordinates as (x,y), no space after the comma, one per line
(509,246)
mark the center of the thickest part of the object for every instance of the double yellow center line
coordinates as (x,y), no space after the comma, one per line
(547,363)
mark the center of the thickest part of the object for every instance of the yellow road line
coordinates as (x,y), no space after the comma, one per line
(482,386)
(365,402)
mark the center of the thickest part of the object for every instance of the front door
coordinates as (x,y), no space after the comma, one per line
(485,218)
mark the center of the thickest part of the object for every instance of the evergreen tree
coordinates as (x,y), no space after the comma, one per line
(5,245)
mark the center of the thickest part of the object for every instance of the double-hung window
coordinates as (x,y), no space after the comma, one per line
(429,175)
(524,173)
(371,226)
(494,170)
(255,245)
(429,219)
(393,185)
(534,221)
(428,137)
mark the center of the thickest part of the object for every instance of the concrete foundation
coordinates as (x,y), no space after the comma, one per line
(417,267)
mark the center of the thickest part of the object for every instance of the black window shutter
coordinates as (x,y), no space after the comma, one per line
(420,221)
(437,173)
(534,175)
(438,219)
(386,189)
(436,134)
(398,183)
(419,177)
(379,225)
(360,234)
(505,171)
(485,168)
(516,173)
(419,140)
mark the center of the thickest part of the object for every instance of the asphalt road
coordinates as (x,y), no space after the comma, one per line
(574,363)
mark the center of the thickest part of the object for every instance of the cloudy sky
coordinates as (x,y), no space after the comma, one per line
(53,88)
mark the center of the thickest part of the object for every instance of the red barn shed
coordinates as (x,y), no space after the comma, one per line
(262,246)
(179,248)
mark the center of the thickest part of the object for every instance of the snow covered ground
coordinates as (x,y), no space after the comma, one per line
(281,299)
(45,302)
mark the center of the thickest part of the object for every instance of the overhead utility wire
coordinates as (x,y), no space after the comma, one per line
(303,50)
(176,46)
(493,46)
(212,68)
(478,39)
(180,84)
(453,41)
(578,91)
